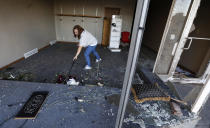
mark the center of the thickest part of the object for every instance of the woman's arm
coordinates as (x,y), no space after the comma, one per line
(78,52)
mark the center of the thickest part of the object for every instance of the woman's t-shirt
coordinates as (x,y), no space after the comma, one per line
(87,39)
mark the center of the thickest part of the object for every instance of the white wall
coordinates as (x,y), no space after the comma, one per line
(65,24)
(24,25)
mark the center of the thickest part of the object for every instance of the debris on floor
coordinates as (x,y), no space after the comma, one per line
(61,108)
(44,65)
(132,119)
(176,110)
(115,100)
(78,99)
(181,73)
(12,74)
(82,110)
(76,103)
(158,113)
(86,103)
(61,78)
(72,81)
(100,84)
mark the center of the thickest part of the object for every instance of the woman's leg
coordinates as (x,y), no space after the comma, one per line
(87,53)
(95,53)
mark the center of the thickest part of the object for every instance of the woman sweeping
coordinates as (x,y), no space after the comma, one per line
(88,41)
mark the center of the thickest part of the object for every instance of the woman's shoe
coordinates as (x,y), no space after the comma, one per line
(87,67)
(98,60)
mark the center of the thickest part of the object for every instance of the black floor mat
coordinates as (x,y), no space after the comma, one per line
(32,106)
(148,92)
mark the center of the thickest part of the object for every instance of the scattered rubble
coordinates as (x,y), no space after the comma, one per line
(86,101)
(132,119)
(19,75)
(79,99)
(100,84)
(82,110)
(176,110)
(62,78)
(73,82)
(59,78)
(158,113)
(181,73)
(115,99)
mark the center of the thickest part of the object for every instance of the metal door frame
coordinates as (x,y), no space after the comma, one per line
(179,48)
(136,40)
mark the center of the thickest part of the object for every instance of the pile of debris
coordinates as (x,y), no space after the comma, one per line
(158,114)
(181,73)
(62,78)
(19,75)
(157,104)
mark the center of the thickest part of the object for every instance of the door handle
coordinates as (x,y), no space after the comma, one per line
(188,47)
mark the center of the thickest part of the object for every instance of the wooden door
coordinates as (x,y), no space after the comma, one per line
(107,24)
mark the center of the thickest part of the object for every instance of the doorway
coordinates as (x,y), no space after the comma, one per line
(107,23)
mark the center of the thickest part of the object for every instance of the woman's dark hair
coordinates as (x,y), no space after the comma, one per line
(80,30)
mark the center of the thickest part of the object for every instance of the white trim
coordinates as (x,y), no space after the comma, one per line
(174,49)
(164,36)
(198,38)
(186,80)
(202,98)
(190,19)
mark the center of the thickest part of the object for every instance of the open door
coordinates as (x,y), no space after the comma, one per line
(107,23)
(172,47)
(175,36)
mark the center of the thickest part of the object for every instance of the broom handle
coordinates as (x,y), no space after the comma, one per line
(72,66)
